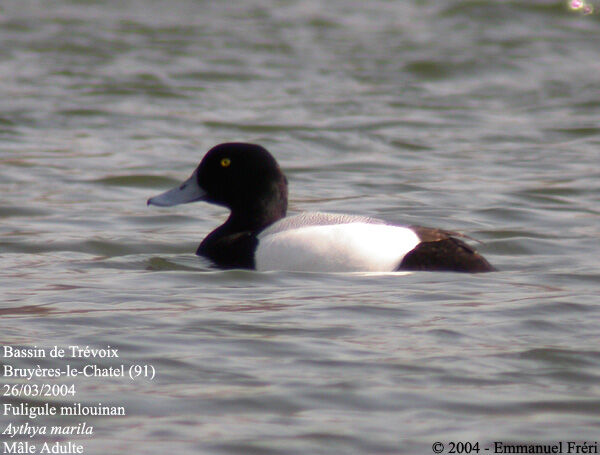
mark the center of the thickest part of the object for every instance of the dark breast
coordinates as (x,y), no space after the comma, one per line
(230,251)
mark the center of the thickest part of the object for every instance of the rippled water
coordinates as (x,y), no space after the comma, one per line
(478,116)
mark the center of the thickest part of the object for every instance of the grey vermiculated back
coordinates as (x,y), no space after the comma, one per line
(316,219)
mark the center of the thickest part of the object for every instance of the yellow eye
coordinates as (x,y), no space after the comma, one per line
(225,162)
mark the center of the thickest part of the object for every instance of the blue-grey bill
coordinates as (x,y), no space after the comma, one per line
(188,191)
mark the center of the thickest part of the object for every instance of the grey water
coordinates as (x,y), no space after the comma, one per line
(475,116)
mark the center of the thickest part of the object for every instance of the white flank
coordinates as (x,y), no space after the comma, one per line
(352,247)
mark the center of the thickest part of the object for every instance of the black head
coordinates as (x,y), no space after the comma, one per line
(242,177)
(239,175)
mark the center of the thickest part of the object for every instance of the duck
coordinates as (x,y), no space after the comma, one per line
(246,179)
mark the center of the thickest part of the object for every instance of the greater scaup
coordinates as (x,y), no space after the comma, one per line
(246,179)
